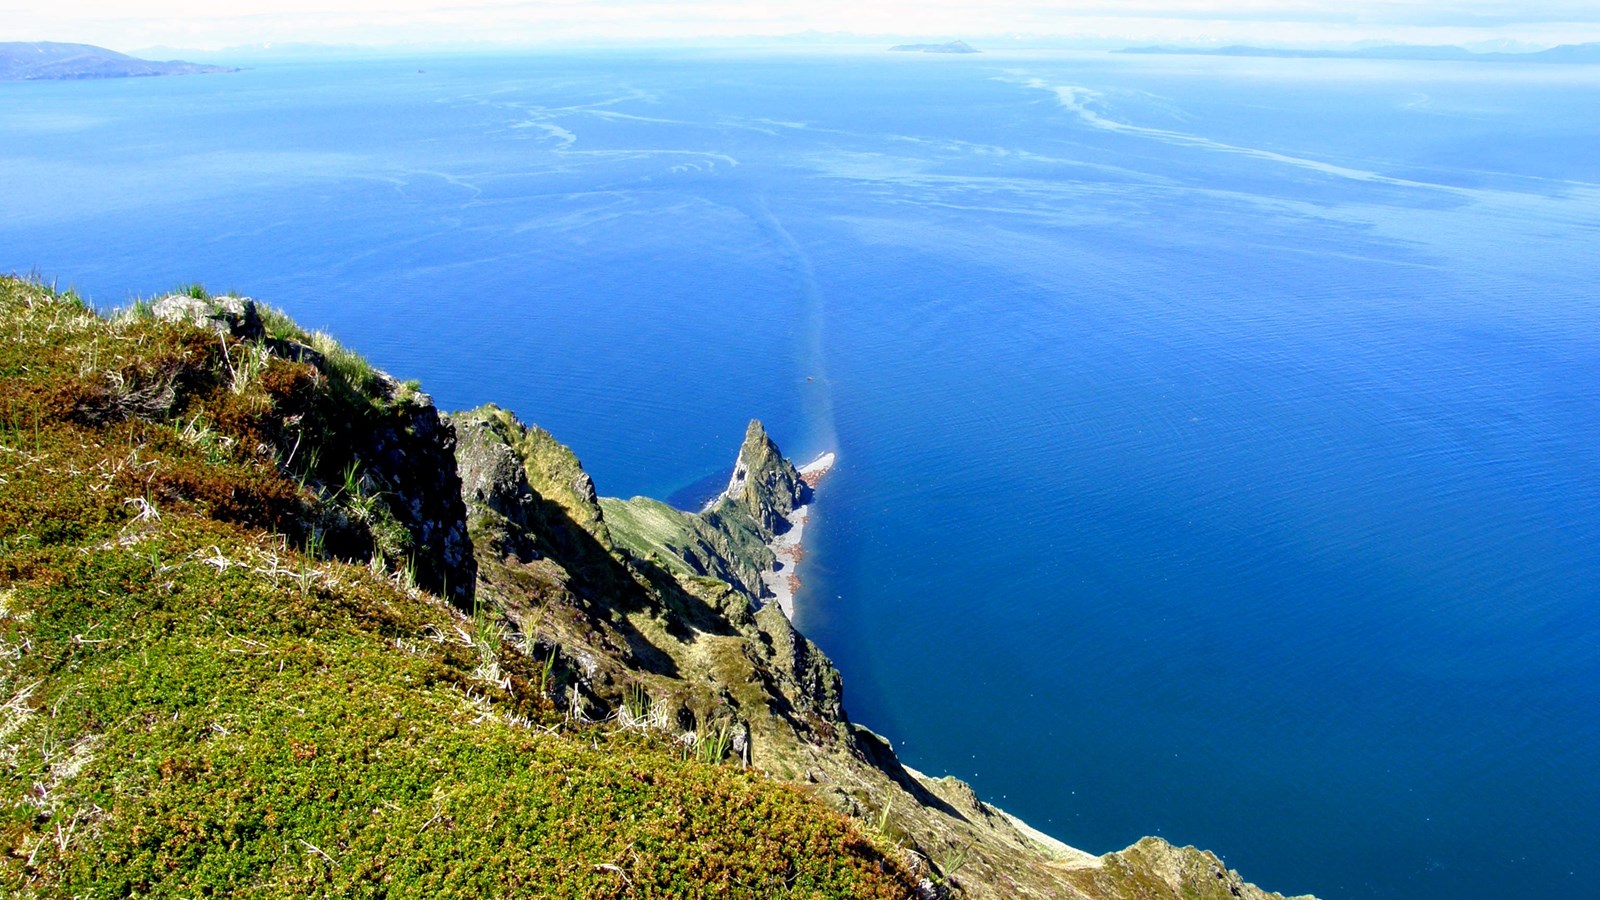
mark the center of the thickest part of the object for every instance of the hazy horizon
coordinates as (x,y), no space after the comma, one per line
(493,24)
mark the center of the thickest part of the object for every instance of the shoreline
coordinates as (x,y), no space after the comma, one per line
(784,579)
(1064,853)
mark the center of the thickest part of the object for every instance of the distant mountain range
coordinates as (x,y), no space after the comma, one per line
(952,47)
(1566,53)
(48,61)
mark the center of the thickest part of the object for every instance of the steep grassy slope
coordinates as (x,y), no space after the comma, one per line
(272,626)
(729,539)
(219,677)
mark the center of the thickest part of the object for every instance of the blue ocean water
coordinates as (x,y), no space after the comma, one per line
(1218,437)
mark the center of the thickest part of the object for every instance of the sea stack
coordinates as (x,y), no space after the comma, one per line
(768,486)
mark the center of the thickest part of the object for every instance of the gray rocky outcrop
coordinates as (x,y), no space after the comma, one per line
(409,454)
(500,502)
(806,677)
(235,316)
(730,539)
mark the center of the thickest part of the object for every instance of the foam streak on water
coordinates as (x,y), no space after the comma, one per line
(820,434)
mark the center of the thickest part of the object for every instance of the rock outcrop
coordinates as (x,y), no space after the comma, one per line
(406,462)
(764,484)
(375,449)
(500,460)
(236,316)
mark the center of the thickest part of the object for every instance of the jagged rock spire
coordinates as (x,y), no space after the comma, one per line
(764,483)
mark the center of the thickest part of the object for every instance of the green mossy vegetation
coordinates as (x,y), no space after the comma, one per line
(210,688)
(551,468)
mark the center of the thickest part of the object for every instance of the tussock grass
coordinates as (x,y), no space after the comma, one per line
(347,368)
(279,326)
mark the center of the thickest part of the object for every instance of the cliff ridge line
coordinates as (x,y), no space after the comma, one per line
(275,590)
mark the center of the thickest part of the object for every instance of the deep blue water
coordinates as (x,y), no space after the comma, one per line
(1219,438)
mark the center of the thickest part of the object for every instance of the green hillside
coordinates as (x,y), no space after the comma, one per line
(201,698)
(272,625)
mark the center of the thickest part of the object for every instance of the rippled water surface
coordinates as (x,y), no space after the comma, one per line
(1218,437)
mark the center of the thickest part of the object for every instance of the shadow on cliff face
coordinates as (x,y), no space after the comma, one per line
(362,466)
(410,453)
(541,538)
(561,561)
(688,613)
(877,752)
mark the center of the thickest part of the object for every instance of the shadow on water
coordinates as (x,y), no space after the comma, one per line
(694,496)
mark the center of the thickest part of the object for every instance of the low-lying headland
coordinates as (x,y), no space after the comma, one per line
(52,61)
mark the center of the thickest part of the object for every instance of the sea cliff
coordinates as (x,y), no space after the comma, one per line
(270,622)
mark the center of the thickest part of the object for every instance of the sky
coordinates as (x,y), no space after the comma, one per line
(130,25)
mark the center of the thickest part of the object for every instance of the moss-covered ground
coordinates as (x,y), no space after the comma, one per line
(200,697)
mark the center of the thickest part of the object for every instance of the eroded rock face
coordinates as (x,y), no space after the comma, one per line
(806,676)
(413,451)
(1153,868)
(529,479)
(500,502)
(730,539)
(376,450)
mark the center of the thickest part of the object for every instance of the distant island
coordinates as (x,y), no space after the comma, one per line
(49,61)
(1566,53)
(952,47)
